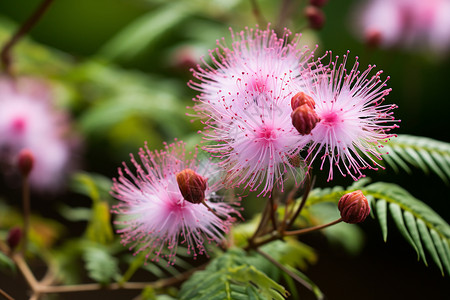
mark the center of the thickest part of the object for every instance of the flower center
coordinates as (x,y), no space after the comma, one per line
(18,125)
(330,118)
(267,134)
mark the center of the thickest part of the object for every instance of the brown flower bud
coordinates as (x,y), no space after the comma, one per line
(373,38)
(14,237)
(192,186)
(318,3)
(354,207)
(25,162)
(300,99)
(304,119)
(315,16)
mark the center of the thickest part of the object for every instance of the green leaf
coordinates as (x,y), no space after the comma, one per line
(421,152)
(428,241)
(99,228)
(424,227)
(100,265)
(230,277)
(95,186)
(144,31)
(381,209)
(397,215)
(412,228)
(6,263)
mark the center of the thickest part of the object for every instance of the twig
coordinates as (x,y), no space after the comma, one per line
(5,55)
(286,270)
(26,272)
(257,13)
(310,184)
(5,295)
(118,286)
(310,229)
(26,211)
(262,222)
(273,209)
(283,15)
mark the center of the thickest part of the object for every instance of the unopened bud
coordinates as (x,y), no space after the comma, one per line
(192,186)
(300,99)
(14,237)
(315,16)
(318,3)
(354,207)
(304,119)
(373,38)
(25,162)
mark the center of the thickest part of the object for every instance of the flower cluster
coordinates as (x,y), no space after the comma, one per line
(28,120)
(155,204)
(267,100)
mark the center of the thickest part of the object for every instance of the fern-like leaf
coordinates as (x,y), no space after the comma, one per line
(230,277)
(422,227)
(421,152)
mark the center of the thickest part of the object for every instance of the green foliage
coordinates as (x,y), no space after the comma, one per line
(421,152)
(229,276)
(418,223)
(6,264)
(100,264)
(96,187)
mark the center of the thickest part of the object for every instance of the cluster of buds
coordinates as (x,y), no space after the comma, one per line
(304,117)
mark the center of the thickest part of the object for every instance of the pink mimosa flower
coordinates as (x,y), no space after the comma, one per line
(245,102)
(155,217)
(352,118)
(28,120)
(414,24)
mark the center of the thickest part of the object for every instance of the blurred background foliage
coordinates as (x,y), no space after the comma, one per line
(121,67)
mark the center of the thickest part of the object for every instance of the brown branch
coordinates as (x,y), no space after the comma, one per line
(311,229)
(119,286)
(5,295)
(5,55)
(26,212)
(310,184)
(26,272)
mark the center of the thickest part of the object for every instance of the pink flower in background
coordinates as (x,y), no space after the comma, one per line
(28,120)
(155,214)
(414,24)
(353,119)
(245,103)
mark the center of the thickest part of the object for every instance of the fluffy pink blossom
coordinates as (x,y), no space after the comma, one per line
(353,118)
(245,103)
(154,215)
(414,24)
(28,120)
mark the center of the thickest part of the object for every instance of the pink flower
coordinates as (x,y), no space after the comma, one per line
(28,120)
(414,24)
(154,214)
(245,103)
(352,118)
